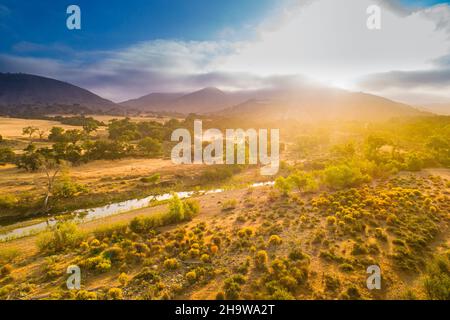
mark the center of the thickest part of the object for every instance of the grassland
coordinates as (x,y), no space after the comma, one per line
(264,245)
(346,197)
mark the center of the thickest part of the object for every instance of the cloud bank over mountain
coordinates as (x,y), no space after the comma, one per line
(323,40)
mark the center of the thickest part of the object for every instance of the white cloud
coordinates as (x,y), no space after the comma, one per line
(329,40)
(322,39)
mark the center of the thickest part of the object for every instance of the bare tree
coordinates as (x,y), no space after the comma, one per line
(51,169)
(41,134)
(29,131)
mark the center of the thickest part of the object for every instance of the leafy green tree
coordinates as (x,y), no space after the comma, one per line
(56,134)
(7,155)
(440,148)
(30,160)
(150,146)
(284,185)
(344,176)
(123,130)
(90,126)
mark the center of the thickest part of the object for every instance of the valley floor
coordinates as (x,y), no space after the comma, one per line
(253,244)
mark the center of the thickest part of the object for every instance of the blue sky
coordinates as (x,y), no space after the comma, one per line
(130,48)
(114,23)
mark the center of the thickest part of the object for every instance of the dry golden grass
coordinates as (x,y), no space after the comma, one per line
(96,173)
(11,128)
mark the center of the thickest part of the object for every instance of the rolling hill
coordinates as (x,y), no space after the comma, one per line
(21,92)
(321,104)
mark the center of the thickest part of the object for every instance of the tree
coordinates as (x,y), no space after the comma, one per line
(283,185)
(90,126)
(123,130)
(344,176)
(56,134)
(65,187)
(440,147)
(29,131)
(176,209)
(7,155)
(150,146)
(30,160)
(51,169)
(41,134)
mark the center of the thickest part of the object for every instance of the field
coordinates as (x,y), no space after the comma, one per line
(346,197)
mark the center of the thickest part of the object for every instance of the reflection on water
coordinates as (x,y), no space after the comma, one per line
(111,209)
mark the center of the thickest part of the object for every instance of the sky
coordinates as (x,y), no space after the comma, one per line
(127,49)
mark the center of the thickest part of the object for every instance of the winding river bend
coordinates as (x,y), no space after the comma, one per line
(80,216)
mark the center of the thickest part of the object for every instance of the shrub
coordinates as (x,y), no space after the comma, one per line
(220,295)
(98,263)
(283,185)
(343,176)
(171,264)
(7,255)
(153,179)
(331,220)
(115,294)
(176,209)
(65,187)
(304,182)
(205,258)
(414,163)
(229,205)
(246,232)
(191,208)
(64,236)
(123,279)
(191,276)
(5,270)
(8,201)
(437,280)
(281,294)
(275,240)
(261,259)
(331,283)
(232,288)
(85,295)
(352,293)
(296,254)
(114,254)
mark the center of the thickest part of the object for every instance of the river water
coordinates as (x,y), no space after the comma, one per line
(80,216)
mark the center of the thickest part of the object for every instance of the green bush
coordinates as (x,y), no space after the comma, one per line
(229,205)
(65,187)
(115,294)
(191,208)
(437,280)
(64,236)
(344,176)
(284,185)
(153,179)
(8,201)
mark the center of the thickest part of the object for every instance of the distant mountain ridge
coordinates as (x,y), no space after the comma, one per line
(19,90)
(323,104)
(206,100)
(25,94)
(305,103)
(438,108)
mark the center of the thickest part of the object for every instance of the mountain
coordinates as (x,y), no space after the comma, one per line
(152,102)
(316,103)
(438,108)
(21,91)
(206,100)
